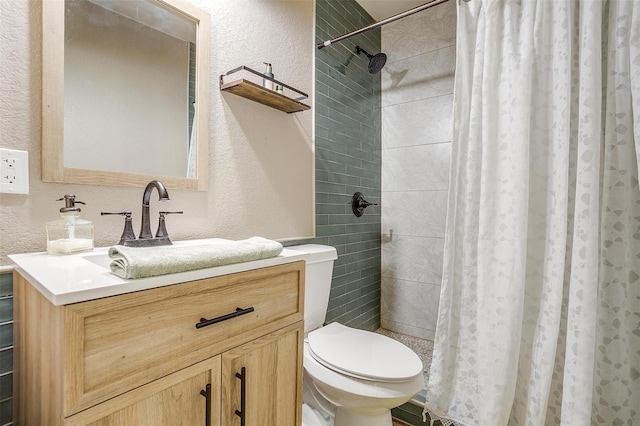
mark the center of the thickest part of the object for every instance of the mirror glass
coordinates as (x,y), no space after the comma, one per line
(133,106)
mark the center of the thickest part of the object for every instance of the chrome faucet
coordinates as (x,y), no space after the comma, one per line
(146,238)
(163,195)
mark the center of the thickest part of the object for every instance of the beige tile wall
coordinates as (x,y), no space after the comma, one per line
(417,97)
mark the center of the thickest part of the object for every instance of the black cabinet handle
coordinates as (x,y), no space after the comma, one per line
(207,394)
(242,375)
(239,311)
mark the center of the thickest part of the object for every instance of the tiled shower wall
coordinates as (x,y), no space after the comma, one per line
(347,159)
(417,96)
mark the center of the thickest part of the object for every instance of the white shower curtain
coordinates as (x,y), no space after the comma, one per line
(539,320)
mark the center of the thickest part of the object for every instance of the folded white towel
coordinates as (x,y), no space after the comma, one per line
(141,262)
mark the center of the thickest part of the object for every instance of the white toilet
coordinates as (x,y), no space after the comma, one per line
(351,377)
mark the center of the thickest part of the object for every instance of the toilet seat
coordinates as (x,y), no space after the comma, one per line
(328,381)
(363,354)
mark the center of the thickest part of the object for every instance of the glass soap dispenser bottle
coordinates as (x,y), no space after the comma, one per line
(69,234)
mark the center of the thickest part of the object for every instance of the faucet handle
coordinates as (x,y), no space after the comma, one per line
(162,228)
(127,233)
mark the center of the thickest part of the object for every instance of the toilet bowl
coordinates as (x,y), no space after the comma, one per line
(351,377)
(362,374)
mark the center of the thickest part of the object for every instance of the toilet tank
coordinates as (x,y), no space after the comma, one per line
(318,273)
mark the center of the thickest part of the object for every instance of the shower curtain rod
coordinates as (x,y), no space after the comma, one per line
(381,23)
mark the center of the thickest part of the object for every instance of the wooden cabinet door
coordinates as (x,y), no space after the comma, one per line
(176,399)
(270,370)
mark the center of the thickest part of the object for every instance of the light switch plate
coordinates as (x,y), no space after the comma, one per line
(14,171)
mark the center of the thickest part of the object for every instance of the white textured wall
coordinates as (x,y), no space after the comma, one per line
(261,163)
(417,88)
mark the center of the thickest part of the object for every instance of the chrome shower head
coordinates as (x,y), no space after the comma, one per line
(376,62)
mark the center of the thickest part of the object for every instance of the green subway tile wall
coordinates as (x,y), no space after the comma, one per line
(6,347)
(348,159)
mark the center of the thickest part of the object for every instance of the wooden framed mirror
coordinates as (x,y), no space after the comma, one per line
(125,92)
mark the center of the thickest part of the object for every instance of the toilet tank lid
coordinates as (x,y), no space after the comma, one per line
(316,252)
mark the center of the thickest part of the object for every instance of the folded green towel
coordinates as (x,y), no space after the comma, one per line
(141,262)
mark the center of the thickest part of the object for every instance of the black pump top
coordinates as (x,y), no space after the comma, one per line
(70,204)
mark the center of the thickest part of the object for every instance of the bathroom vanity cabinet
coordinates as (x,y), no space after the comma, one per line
(139,358)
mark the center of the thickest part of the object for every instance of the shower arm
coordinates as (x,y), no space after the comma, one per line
(381,23)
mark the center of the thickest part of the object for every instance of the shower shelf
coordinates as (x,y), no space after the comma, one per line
(255,92)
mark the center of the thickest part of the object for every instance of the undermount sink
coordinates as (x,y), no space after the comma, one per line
(103,260)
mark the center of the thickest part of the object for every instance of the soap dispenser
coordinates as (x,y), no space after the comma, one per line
(268,84)
(69,234)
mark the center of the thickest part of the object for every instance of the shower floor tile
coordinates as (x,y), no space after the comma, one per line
(424,348)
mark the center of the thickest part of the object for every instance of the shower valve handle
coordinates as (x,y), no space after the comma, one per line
(358,204)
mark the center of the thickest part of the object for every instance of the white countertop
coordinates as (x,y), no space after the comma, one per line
(86,276)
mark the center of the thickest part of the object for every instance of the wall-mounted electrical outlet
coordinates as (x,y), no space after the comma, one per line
(14,171)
